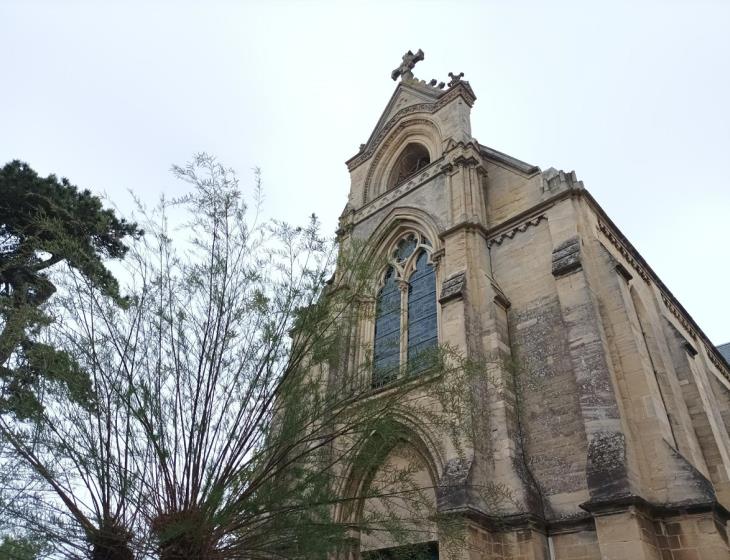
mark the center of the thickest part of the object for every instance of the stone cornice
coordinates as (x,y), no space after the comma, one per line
(426,174)
(516,221)
(467,225)
(580,521)
(509,234)
(446,164)
(679,316)
(624,503)
(670,302)
(625,253)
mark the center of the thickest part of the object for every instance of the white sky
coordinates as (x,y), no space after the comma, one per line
(634,96)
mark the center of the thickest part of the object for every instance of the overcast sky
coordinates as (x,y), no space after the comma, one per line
(634,96)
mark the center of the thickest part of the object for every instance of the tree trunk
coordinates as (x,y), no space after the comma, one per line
(111,542)
(184,535)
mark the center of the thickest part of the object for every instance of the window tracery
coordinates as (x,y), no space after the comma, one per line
(406,312)
(414,157)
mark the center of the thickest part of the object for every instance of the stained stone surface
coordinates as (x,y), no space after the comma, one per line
(611,427)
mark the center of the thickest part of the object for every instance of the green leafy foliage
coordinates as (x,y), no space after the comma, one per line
(226,414)
(20,549)
(44,222)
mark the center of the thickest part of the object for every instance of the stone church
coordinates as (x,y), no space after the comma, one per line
(619,446)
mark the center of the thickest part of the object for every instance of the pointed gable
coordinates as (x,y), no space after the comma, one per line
(407,94)
(410,96)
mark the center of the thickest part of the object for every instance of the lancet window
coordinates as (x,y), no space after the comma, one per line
(406,331)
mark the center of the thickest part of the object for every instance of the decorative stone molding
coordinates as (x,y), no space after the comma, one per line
(462,89)
(554,180)
(625,253)
(667,300)
(566,257)
(436,257)
(679,316)
(429,172)
(515,230)
(452,492)
(399,222)
(717,363)
(690,330)
(375,165)
(465,161)
(453,287)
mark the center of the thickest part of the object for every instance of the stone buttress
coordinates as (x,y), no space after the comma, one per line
(607,409)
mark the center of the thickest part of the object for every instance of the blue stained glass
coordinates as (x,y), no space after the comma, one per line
(422,328)
(405,248)
(387,331)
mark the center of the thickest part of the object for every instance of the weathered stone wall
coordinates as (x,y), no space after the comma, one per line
(675,431)
(581,545)
(554,439)
(610,413)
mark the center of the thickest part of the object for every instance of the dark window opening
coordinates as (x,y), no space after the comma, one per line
(413,158)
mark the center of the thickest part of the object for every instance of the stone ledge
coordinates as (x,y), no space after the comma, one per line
(453,288)
(566,257)
(623,504)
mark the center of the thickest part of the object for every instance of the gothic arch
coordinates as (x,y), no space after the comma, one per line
(403,430)
(400,221)
(419,131)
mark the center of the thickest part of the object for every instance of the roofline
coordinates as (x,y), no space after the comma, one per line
(461,89)
(710,347)
(522,166)
(577,192)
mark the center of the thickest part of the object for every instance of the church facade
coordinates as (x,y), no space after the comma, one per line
(615,436)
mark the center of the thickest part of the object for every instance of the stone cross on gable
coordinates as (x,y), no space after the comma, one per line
(409,61)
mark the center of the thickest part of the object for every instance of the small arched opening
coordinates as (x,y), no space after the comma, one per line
(412,159)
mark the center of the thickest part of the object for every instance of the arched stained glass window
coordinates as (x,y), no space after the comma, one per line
(422,331)
(387,331)
(406,321)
